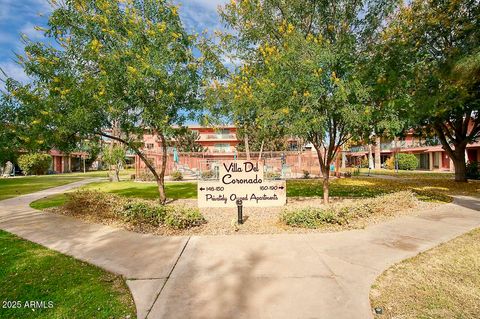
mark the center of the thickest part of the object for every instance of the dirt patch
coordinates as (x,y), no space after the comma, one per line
(222,221)
(440,283)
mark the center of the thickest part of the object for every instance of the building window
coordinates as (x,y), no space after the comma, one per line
(149,146)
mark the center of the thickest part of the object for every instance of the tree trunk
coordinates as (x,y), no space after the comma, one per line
(158,178)
(326,184)
(460,165)
(247,147)
(378,161)
(116,173)
(161,176)
(370,157)
(457,154)
(261,150)
(325,169)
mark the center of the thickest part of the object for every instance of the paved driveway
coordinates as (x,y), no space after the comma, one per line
(324,275)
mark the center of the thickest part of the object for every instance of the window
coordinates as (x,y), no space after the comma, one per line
(149,146)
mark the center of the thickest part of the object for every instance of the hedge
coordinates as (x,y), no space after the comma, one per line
(34,164)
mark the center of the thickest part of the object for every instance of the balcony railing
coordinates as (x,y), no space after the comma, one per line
(219,136)
(391,145)
(222,150)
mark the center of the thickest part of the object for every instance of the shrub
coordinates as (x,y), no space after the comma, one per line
(177,176)
(139,212)
(340,214)
(208,174)
(306,174)
(364,162)
(272,175)
(435,197)
(390,163)
(146,176)
(183,217)
(35,163)
(99,204)
(473,170)
(407,162)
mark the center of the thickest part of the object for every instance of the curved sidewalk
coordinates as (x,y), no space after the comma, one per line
(323,275)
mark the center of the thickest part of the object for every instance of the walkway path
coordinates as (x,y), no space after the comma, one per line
(324,275)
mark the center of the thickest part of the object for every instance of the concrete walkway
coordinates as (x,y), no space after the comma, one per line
(258,276)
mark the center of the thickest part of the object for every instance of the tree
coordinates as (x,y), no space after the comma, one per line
(299,67)
(434,55)
(9,143)
(119,69)
(114,156)
(34,163)
(186,140)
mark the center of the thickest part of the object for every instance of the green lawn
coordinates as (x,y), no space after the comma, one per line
(404,173)
(29,272)
(11,187)
(355,187)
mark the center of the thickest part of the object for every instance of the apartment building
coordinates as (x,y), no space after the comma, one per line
(216,141)
(429,152)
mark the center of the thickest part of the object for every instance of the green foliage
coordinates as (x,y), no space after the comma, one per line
(33,272)
(183,217)
(34,164)
(430,54)
(300,69)
(310,218)
(473,170)
(342,214)
(390,163)
(186,140)
(138,212)
(407,162)
(177,176)
(364,162)
(114,155)
(126,66)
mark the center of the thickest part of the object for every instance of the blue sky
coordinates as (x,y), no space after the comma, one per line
(21,16)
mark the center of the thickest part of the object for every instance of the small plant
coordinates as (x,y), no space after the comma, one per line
(36,163)
(146,176)
(390,163)
(177,176)
(138,212)
(114,156)
(356,171)
(364,162)
(473,170)
(183,217)
(208,174)
(347,174)
(306,174)
(341,214)
(272,175)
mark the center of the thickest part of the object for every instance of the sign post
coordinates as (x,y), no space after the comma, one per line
(241,180)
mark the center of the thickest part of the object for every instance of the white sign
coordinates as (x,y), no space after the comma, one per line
(242,180)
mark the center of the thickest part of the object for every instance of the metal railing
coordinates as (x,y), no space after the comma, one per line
(218,136)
